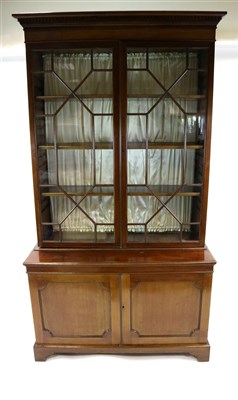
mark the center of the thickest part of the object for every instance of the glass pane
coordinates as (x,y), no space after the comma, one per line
(140,106)
(73,124)
(186,85)
(167,66)
(103,127)
(75,167)
(171,214)
(46,209)
(166,122)
(141,83)
(136,167)
(136,128)
(103,85)
(99,106)
(137,59)
(104,234)
(47,167)
(198,59)
(191,83)
(140,210)
(78,222)
(191,232)
(71,68)
(165,167)
(38,64)
(104,167)
(171,167)
(102,59)
(136,234)
(100,209)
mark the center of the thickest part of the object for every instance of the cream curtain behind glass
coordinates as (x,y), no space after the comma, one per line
(73,123)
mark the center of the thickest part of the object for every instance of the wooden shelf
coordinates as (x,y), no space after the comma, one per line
(78,146)
(177,96)
(163,145)
(133,190)
(71,96)
(140,96)
(130,146)
(79,191)
(164,190)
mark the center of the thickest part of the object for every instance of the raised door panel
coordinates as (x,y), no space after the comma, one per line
(76,309)
(165,309)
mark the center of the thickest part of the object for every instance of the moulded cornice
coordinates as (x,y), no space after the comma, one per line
(147,18)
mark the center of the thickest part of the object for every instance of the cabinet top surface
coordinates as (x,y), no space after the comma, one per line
(119,257)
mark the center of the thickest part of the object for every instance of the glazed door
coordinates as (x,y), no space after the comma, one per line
(163,308)
(164,133)
(76,135)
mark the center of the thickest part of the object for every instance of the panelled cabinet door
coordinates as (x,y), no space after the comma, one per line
(165,308)
(76,309)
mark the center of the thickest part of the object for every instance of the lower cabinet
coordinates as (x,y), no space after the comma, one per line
(121,313)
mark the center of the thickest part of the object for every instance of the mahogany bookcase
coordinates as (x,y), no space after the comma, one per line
(120,107)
